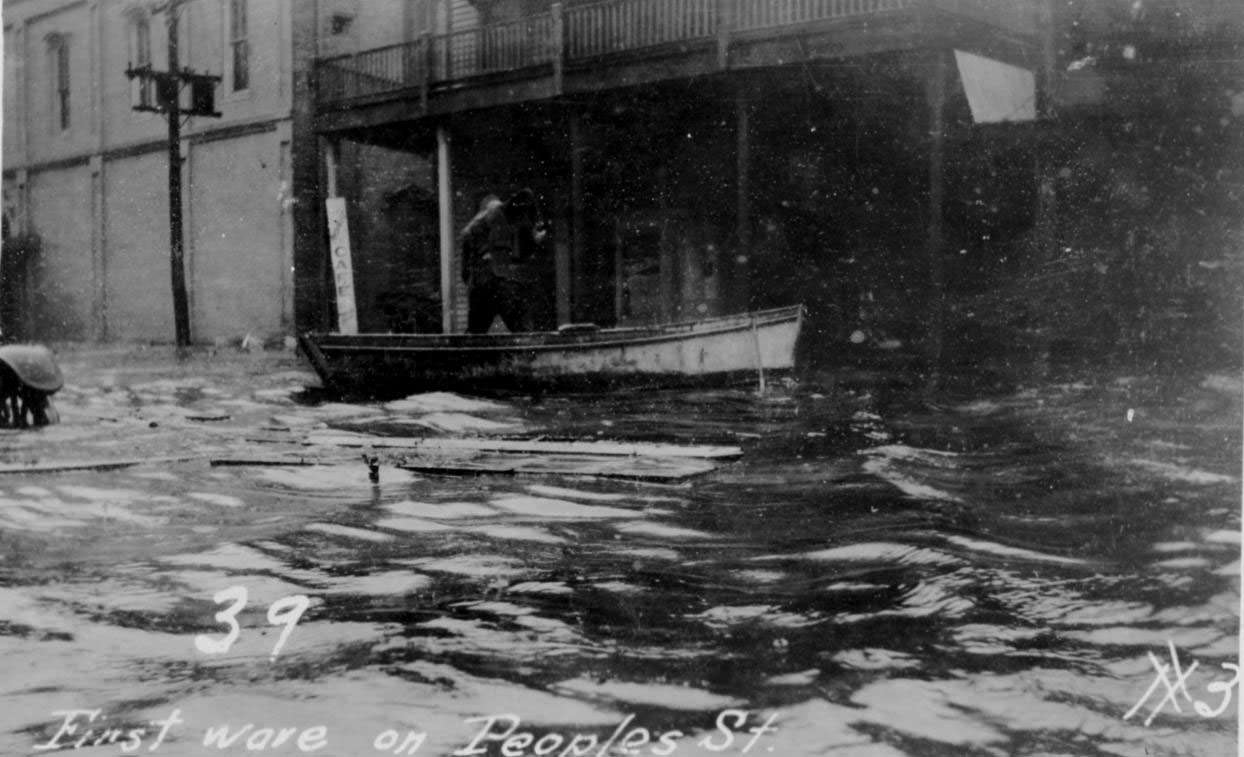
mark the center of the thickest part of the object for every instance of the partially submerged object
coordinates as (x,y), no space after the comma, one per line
(450,445)
(629,461)
(29,376)
(713,350)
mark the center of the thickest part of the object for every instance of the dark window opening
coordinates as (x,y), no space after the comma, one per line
(60,61)
(340,23)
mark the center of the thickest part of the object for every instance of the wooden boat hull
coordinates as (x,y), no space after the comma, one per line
(708,351)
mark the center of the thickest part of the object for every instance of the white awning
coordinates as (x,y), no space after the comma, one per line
(997,92)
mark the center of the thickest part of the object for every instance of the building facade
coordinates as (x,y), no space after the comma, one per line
(86,182)
(887,163)
(693,157)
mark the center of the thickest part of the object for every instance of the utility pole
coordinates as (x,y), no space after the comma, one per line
(935,100)
(177,250)
(168,86)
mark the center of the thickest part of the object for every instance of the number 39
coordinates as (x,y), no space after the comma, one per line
(287,611)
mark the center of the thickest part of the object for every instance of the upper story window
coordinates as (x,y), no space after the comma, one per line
(58,58)
(140,52)
(140,41)
(239,46)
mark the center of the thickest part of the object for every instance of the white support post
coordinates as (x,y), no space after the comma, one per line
(332,157)
(445,203)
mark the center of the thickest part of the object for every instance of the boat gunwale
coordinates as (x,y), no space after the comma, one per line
(555,340)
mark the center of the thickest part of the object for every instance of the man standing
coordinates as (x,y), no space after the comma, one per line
(497,247)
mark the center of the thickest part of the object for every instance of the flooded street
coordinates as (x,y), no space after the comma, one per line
(985,571)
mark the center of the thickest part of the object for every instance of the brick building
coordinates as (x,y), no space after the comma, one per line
(86,176)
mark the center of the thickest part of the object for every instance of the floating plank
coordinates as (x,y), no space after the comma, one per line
(435,445)
(644,469)
(73,465)
(457,467)
(261,461)
(591,466)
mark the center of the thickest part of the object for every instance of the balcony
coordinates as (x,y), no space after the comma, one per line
(592,46)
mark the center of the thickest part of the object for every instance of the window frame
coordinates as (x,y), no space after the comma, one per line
(140,28)
(140,48)
(61,83)
(238,47)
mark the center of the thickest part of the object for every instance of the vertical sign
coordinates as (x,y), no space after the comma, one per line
(343,270)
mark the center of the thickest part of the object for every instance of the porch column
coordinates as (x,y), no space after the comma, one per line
(673,257)
(313,292)
(1046,168)
(445,203)
(935,99)
(743,228)
(569,292)
(99,259)
(332,160)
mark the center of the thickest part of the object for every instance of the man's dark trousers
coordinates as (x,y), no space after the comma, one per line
(498,296)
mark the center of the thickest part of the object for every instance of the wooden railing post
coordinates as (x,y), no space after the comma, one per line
(727,15)
(558,45)
(315,83)
(425,82)
(743,158)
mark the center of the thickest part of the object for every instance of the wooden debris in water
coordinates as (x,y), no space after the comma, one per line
(261,461)
(208,417)
(443,445)
(56,466)
(590,466)
(640,469)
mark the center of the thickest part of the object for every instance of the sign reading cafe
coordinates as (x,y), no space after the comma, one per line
(343,270)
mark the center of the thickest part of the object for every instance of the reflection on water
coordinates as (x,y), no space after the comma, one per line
(885,576)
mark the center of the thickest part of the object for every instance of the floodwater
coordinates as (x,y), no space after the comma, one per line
(883,572)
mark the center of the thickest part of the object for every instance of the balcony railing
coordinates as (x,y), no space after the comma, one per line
(437,58)
(615,26)
(608,27)
(778,13)
(493,48)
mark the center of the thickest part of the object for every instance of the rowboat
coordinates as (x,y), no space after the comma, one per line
(711,350)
